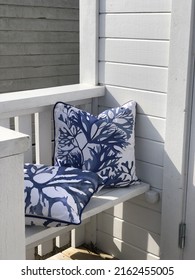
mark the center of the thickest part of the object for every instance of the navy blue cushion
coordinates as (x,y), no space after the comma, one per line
(103,144)
(56,195)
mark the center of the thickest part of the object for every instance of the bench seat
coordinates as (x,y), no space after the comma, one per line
(29,113)
(99,202)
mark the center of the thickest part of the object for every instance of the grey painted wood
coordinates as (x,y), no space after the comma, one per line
(37,12)
(43,3)
(39,37)
(39,44)
(122,250)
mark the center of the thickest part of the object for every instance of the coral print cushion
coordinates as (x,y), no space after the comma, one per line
(56,195)
(102,144)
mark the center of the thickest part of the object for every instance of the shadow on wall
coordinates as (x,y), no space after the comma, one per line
(134,232)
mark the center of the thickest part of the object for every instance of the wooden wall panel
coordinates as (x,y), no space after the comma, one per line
(136,26)
(148,102)
(39,44)
(133,76)
(134,6)
(143,52)
(122,250)
(120,229)
(133,65)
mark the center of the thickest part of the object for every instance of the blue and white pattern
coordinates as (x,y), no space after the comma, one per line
(102,144)
(56,196)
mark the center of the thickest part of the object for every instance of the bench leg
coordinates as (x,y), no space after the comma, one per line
(85,233)
(90,231)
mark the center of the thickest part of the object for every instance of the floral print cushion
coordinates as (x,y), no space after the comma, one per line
(57,196)
(103,144)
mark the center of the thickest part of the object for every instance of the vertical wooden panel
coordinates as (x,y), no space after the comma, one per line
(43,137)
(136,26)
(63,240)
(133,64)
(89,17)
(135,6)
(24,124)
(176,144)
(46,247)
(12,241)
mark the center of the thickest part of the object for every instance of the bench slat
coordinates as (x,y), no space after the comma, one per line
(43,130)
(108,198)
(24,124)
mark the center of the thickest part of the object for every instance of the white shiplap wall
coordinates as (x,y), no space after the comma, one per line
(39,43)
(133,64)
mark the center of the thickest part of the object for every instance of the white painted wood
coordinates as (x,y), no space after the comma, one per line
(148,103)
(43,137)
(130,233)
(12,142)
(135,6)
(12,233)
(150,128)
(12,147)
(189,250)
(108,198)
(135,214)
(135,26)
(141,200)
(5,123)
(89,24)
(141,31)
(111,197)
(24,124)
(46,247)
(36,235)
(149,151)
(144,52)
(24,100)
(150,173)
(89,35)
(78,236)
(175,139)
(122,250)
(62,240)
(90,231)
(128,75)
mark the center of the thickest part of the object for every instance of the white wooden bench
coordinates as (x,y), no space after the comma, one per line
(30,112)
